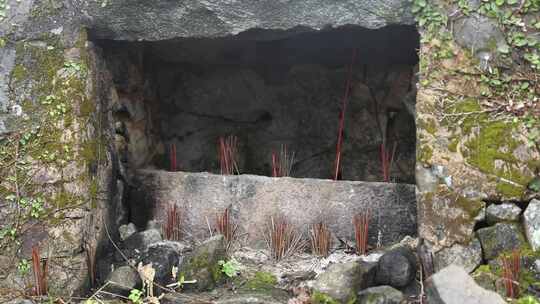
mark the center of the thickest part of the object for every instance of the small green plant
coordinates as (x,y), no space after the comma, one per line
(136,296)
(528,300)
(534,184)
(8,232)
(23,267)
(229,268)
(3,9)
(36,207)
(181,281)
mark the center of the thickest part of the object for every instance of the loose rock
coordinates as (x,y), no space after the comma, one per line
(123,280)
(396,268)
(380,295)
(505,212)
(163,256)
(142,239)
(499,238)
(468,257)
(531,221)
(478,33)
(276,296)
(126,231)
(203,265)
(343,281)
(137,243)
(454,285)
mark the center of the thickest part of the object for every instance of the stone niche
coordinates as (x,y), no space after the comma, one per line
(268,88)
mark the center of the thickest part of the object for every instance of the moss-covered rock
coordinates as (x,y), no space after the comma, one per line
(500,238)
(445,217)
(341,282)
(322,298)
(261,281)
(203,265)
(380,295)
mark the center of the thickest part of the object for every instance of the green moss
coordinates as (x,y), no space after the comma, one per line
(321,298)
(50,94)
(198,267)
(452,146)
(510,190)
(425,153)
(494,142)
(440,207)
(491,151)
(262,281)
(472,207)
(64,199)
(46,8)
(429,125)
(352,300)
(462,114)
(483,269)
(18,73)
(93,191)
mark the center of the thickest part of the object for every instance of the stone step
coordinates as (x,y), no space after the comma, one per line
(253,200)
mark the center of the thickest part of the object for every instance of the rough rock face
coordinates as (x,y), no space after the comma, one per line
(467,257)
(379,295)
(453,285)
(396,268)
(445,217)
(303,201)
(506,212)
(275,296)
(138,242)
(129,21)
(478,33)
(531,221)
(163,256)
(500,238)
(122,280)
(342,281)
(126,231)
(271,296)
(484,158)
(203,265)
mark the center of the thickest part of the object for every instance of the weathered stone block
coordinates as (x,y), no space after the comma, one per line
(531,221)
(454,285)
(254,199)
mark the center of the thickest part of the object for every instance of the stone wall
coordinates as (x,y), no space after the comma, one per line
(477,107)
